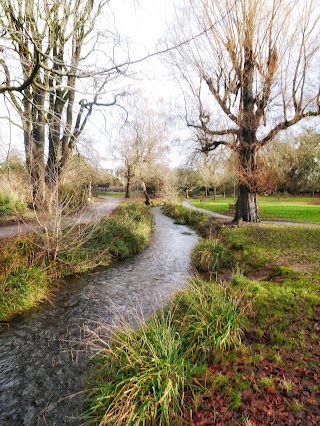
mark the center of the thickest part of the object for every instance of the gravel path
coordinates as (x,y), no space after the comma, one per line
(91,214)
(229,218)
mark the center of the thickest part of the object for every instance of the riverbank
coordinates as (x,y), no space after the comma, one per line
(31,265)
(44,352)
(239,346)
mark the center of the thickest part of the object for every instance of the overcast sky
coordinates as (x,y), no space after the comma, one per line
(142,23)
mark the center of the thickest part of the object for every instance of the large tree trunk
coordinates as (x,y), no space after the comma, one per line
(246,206)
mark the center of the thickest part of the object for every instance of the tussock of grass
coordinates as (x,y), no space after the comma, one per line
(210,256)
(143,376)
(210,318)
(22,290)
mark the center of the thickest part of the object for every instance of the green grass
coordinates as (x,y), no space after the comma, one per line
(255,246)
(22,290)
(29,265)
(210,256)
(8,206)
(216,343)
(143,376)
(112,194)
(296,209)
(125,234)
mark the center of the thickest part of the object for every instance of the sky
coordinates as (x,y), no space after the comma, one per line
(143,24)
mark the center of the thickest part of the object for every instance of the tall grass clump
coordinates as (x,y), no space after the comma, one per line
(24,278)
(22,290)
(210,318)
(140,380)
(144,374)
(125,234)
(210,256)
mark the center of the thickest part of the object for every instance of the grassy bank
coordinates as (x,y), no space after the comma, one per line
(144,377)
(30,265)
(291,208)
(239,350)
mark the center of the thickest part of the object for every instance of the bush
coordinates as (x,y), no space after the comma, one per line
(72,198)
(210,256)
(10,206)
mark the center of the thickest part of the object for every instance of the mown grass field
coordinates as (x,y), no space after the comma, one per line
(240,346)
(112,194)
(295,209)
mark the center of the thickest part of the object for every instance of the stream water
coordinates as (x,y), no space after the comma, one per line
(41,374)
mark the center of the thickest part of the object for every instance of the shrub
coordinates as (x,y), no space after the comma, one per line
(9,205)
(72,198)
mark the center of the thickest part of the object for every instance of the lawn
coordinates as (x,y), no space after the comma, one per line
(295,209)
(111,194)
(273,378)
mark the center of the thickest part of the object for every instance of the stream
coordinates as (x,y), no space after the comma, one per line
(41,371)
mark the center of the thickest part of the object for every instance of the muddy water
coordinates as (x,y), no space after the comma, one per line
(41,373)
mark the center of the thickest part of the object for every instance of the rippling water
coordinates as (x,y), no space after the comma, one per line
(41,376)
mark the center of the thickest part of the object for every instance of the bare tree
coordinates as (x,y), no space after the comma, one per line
(53,41)
(295,163)
(141,146)
(188,179)
(212,169)
(257,64)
